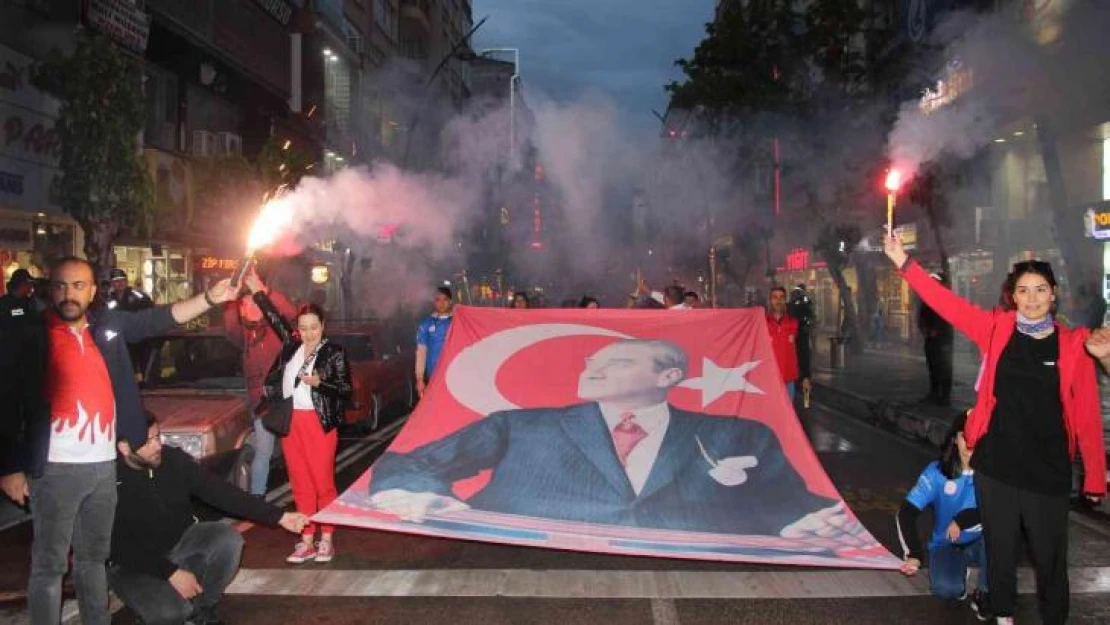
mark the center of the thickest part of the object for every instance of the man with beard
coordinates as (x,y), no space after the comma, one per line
(66,461)
(165,565)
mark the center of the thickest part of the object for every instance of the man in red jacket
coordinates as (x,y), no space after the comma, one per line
(247,330)
(791,354)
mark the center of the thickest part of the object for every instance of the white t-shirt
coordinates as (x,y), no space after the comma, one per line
(301,393)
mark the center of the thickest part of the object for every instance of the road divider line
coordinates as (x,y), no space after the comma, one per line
(586,584)
(664,612)
(283,494)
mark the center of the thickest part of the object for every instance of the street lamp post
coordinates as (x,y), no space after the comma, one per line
(512,94)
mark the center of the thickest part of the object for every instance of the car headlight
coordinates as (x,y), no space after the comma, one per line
(193,444)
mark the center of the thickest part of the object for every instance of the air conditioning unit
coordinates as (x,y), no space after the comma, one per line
(204,144)
(354,42)
(229,144)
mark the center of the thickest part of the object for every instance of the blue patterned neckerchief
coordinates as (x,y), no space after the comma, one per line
(1033,328)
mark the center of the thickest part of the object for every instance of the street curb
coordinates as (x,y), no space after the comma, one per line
(893,415)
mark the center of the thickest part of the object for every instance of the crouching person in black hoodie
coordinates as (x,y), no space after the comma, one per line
(165,565)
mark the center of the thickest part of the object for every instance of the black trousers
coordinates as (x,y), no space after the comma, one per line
(938,358)
(210,551)
(1004,511)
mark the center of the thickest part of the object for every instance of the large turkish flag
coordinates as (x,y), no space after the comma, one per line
(519,439)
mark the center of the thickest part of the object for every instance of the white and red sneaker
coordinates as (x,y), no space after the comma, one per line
(325,551)
(303,553)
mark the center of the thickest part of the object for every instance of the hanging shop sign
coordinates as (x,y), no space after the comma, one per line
(1096,221)
(122,21)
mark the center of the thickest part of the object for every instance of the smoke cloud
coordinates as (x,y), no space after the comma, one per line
(998,66)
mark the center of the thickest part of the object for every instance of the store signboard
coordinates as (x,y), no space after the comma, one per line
(1096,221)
(122,21)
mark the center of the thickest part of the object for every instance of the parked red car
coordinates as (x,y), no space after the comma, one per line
(192,382)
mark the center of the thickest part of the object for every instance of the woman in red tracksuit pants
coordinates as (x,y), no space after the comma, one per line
(1037,405)
(313,373)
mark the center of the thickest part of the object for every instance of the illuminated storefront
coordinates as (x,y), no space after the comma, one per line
(33,229)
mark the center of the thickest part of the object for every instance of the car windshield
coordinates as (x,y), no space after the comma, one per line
(201,362)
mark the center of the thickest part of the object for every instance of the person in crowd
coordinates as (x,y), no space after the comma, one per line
(1091,306)
(18,318)
(588,301)
(939,337)
(801,308)
(691,299)
(431,334)
(89,399)
(40,295)
(123,296)
(245,327)
(520,300)
(674,298)
(165,565)
(947,485)
(1037,404)
(313,379)
(120,295)
(878,321)
(792,354)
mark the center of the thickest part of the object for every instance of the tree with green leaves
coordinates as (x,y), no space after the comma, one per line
(803,76)
(103,185)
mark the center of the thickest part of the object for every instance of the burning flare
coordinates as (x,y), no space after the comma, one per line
(893,180)
(276,215)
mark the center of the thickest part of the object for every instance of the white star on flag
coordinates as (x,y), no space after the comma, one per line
(716,381)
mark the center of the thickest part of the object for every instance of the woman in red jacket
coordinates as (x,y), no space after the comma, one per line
(1037,405)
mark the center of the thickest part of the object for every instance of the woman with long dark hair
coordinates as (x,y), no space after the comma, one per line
(1037,405)
(311,374)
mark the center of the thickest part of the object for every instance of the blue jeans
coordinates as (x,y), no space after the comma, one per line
(791,391)
(263,452)
(948,566)
(71,505)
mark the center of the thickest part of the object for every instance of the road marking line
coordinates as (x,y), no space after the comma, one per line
(585,584)
(664,612)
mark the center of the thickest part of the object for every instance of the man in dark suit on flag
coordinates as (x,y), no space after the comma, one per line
(624,457)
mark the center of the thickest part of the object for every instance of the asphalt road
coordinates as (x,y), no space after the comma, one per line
(424,580)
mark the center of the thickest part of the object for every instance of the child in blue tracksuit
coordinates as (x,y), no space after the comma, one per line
(956,543)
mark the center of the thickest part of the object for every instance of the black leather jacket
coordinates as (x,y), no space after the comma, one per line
(331,396)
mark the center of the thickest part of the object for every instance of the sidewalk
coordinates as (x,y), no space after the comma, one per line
(885,384)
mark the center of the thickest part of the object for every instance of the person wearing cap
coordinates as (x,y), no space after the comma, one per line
(18,316)
(124,297)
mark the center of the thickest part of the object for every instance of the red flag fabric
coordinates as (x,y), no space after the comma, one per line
(513,442)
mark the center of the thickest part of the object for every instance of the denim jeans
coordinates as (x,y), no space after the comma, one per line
(71,505)
(210,551)
(948,566)
(791,391)
(263,452)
